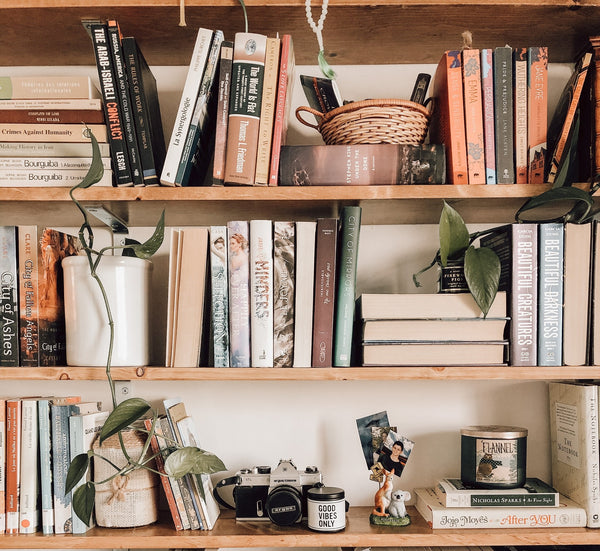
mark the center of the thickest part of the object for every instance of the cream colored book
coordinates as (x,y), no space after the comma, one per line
(40,132)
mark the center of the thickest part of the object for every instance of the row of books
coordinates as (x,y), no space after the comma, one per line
(42,130)
(269,294)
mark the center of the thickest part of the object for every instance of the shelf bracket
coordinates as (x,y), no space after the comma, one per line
(123,390)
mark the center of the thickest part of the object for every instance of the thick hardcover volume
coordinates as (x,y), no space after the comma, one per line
(168,483)
(28,296)
(576,289)
(284,261)
(550,293)
(305,296)
(324,302)
(219,289)
(50,87)
(520,110)
(51,116)
(594,110)
(346,285)
(49,149)
(146,111)
(245,102)
(112,113)
(198,144)
(45,443)
(448,119)
(238,260)
(560,130)
(567,515)
(362,164)
(54,246)
(28,491)
(574,445)
(287,65)
(52,132)
(225,68)
(535,493)
(53,105)
(473,115)
(503,115)
(9,298)
(125,106)
(13,463)
(261,293)
(537,104)
(186,107)
(2,465)
(267,111)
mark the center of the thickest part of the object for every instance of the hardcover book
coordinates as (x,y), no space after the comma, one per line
(50,87)
(225,67)
(219,287)
(503,115)
(32,165)
(13,464)
(321,93)
(38,177)
(9,298)
(3,465)
(50,149)
(28,296)
(53,132)
(537,127)
(520,116)
(361,164)
(284,264)
(49,116)
(45,445)
(28,488)
(51,105)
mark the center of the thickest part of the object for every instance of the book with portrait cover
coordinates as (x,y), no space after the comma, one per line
(362,164)
(537,108)
(28,295)
(9,298)
(284,279)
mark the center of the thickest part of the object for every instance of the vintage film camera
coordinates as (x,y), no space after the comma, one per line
(278,495)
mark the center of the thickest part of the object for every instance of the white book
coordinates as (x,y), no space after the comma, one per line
(567,515)
(32,164)
(28,497)
(45,445)
(37,177)
(50,149)
(305,274)
(50,104)
(261,293)
(574,444)
(186,106)
(219,296)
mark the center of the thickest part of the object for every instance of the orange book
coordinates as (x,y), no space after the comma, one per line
(473,116)
(448,119)
(13,464)
(537,59)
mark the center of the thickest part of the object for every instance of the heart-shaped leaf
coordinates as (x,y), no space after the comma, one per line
(123,415)
(148,248)
(454,235)
(77,469)
(83,502)
(482,272)
(192,460)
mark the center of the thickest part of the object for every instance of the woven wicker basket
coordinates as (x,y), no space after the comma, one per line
(125,501)
(371,121)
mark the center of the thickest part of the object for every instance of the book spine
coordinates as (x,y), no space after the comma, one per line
(594,338)
(537,127)
(32,177)
(76,447)
(523,338)
(53,105)
(283,105)
(550,293)
(520,114)
(261,293)
(9,299)
(503,113)
(346,285)
(225,68)
(284,262)
(13,462)
(186,107)
(45,444)
(245,101)
(16,132)
(125,107)
(219,295)
(304,296)
(28,493)
(595,106)
(239,293)
(465,498)
(28,295)
(487,90)
(49,149)
(51,87)
(473,115)
(49,116)
(61,458)
(33,164)
(114,120)
(2,465)
(267,111)
(325,272)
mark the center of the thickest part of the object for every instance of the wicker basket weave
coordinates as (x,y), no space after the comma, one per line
(373,121)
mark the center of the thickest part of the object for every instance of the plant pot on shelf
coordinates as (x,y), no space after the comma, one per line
(127,283)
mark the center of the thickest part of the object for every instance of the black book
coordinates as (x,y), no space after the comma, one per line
(146,112)
(322,93)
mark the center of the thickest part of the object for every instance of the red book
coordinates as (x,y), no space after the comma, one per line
(62,116)
(13,464)
(473,116)
(537,127)
(448,119)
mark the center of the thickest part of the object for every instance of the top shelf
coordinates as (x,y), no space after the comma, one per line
(49,32)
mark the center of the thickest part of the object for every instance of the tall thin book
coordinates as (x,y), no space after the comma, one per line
(284,279)
(9,299)
(487,90)
(503,115)
(219,288)
(520,114)
(537,128)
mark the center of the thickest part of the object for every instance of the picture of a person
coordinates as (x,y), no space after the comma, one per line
(394,458)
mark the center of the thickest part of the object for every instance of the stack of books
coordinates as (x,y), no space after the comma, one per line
(42,130)
(430,329)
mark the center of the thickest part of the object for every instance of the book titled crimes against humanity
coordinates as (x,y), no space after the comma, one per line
(362,164)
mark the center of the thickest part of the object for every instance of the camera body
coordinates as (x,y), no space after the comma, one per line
(278,495)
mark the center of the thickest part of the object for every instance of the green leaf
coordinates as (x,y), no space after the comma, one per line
(123,415)
(454,235)
(576,213)
(96,170)
(148,248)
(482,272)
(83,501)
(77,469)
(192,460)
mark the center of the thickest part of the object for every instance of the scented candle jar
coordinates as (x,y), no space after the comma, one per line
(493,456)
(326,509)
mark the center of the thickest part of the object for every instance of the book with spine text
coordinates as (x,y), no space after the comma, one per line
(13,463)
(51,149)
(3,465)
(504,115)
(28,488)
(225,67)
(51,116)
(28,296)
(520,114)
(537,105)
(284,266)
(219,288)
(47,87)
(9,298)
(53,132)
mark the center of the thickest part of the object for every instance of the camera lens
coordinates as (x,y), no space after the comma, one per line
(284,506)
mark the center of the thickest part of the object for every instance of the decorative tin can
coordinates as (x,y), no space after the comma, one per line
(493,456)
(326,509)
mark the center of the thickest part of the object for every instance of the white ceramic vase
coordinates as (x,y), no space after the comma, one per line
(127,284)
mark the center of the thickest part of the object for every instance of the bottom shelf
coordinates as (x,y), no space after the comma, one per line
(358,533)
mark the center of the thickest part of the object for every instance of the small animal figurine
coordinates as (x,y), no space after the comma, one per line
(487,464)
(397,508)
(383,495)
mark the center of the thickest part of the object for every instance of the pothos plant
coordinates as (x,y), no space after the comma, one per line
(129,414)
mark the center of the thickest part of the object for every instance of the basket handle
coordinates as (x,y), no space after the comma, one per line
(316,113)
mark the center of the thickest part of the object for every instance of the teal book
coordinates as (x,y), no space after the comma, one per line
(346,285)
